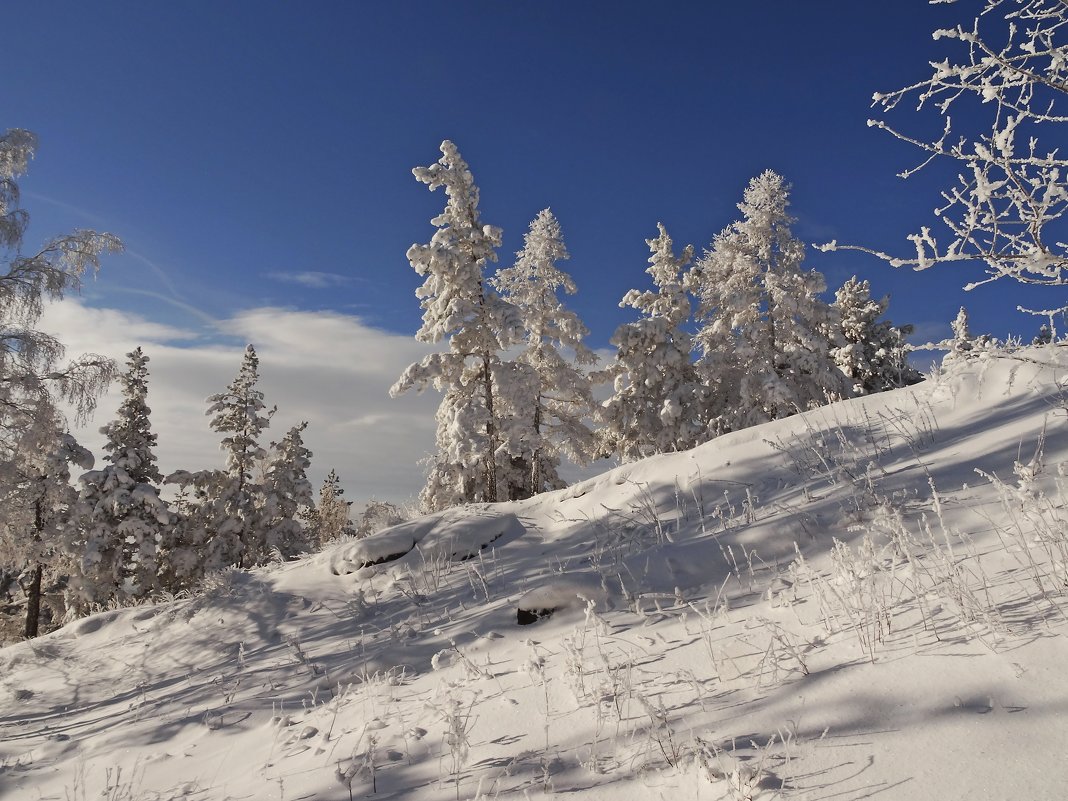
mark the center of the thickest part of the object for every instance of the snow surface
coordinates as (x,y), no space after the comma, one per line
(764,633)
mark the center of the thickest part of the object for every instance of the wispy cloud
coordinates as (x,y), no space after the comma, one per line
(85,214)
(188,308)
(312,279)
(157,270)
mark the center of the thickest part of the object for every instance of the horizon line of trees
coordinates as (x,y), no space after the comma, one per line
(517,381)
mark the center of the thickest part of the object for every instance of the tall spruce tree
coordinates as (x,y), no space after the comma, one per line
(221,525)
(285,491)
(122,521)
(873,353)
(765,351)
(458,306)
(546,398)
(658,399)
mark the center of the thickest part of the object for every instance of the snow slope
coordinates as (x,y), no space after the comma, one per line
(835,605)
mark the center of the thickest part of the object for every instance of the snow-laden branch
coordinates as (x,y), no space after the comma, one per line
(1007,209)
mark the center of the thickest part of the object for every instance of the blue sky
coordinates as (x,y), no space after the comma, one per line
(238,146)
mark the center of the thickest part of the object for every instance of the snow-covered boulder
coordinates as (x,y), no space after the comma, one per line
(561,592)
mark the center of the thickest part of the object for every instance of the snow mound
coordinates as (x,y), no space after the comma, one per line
(385,546)
(453,536)
(456,538)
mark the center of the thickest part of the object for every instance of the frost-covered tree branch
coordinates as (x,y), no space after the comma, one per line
(1001,93)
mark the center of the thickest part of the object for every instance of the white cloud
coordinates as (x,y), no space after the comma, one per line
(311,279)
(328,368)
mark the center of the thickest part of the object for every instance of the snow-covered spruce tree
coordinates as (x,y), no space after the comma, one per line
(122,522)
(962,344)
(765,351)
(544,415)
(962,341)
(285,491)
(459,307)
(874,354)
(1002,91)
(222,523)
(657,401)
(332,512)
(34,379)
(457,471)
(182,556)
(518,389)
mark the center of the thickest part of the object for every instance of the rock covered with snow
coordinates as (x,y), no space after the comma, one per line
(560,592)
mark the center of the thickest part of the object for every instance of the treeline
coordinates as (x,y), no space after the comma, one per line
(110,537)
(734,337)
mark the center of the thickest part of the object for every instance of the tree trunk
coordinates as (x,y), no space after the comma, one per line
(33,603)
(535,467)
(33,594)
(491,433)
(771,333)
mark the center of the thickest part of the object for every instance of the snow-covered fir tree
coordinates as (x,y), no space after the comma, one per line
(331,514)
(874,354)
(458,306)
(765,352)
(285,491)
(657,399)
(182,556)
(546,397)
(457,471)
(221,526)
(122,521)
(962,341)
(518,387)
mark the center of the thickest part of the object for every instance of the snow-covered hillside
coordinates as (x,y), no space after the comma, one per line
(835,605)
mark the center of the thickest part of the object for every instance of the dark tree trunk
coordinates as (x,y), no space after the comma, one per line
(536,478)
(33,594)
(491,432)
(33,603)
